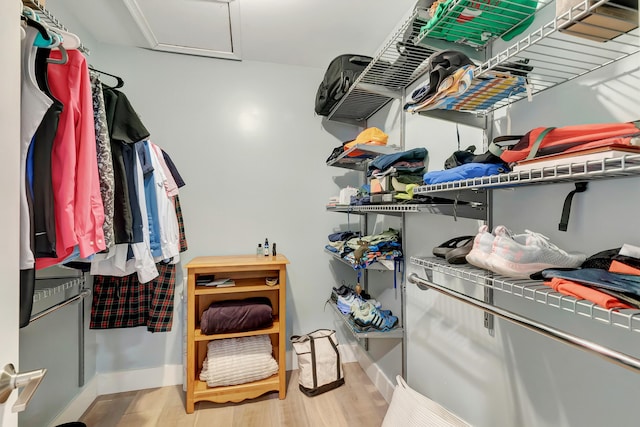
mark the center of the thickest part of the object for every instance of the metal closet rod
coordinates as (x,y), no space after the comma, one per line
(83,293)
(606,353)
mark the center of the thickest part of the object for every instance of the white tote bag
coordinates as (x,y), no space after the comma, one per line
(408,408)
(320,369)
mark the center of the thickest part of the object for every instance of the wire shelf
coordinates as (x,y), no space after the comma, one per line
(554,56)
(557,56)
(493,20)
(393,333)
(536,291)
(623,166)
(382,82)
(471,210)
(391,208)
(373,266)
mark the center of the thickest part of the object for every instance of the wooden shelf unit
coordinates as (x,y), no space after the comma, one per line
(249,273)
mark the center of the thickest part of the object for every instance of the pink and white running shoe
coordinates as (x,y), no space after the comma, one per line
(513,258)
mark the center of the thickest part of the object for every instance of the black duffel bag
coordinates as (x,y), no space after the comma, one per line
(338,78)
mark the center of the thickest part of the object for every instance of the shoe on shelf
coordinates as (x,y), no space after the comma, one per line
(345,304)
(459,255)
(367,317)
(443,248)
(519,260)
(341,291)
(483,245)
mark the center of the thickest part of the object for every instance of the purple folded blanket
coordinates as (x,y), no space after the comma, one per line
(236,316)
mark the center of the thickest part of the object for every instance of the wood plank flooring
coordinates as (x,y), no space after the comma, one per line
(357,403)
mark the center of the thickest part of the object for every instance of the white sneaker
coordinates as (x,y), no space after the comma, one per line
(519,260)
(483,245)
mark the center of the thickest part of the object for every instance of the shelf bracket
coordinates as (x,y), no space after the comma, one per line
(488,317)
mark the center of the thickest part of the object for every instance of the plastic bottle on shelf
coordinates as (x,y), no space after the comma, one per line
(259,250)
(266,247)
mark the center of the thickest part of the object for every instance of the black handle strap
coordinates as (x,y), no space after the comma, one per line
(496,149)
(359,60)
(338,364)
(581,187)
(313,363)
(537,142)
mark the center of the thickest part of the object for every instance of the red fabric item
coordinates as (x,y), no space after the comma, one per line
(622,268)
(74,167)
(571,138)
(573,289)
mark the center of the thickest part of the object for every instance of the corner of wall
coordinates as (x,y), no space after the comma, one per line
(375,374)
(77,407)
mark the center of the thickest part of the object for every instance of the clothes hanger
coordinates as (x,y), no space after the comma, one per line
(63,59)
(42,30)
(119,83)
(68,39)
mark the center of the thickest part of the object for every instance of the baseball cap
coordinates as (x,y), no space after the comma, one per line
(370,136)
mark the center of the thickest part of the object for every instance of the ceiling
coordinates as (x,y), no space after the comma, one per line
(294,32)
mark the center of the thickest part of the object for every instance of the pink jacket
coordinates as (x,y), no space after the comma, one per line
(74,168)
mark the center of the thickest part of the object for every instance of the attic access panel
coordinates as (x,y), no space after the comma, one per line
(195,27)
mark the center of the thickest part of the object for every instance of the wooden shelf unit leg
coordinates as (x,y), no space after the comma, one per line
(282,304)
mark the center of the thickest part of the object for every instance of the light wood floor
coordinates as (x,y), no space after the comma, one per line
(356,403)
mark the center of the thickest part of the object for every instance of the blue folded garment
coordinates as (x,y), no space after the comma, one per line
(466,171)
(598,278)
(343,235)
(386,160)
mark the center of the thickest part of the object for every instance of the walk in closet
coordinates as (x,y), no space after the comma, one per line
(449,343)
(237,118)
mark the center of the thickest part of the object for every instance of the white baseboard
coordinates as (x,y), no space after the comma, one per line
(375,374)
(79,404)
(139,379)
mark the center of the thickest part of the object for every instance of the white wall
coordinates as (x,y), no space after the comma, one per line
(246,140)
(517,377)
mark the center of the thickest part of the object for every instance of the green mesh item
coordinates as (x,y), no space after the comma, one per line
(476,22)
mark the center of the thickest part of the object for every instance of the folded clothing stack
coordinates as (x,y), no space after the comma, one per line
(238,360)
(236,316)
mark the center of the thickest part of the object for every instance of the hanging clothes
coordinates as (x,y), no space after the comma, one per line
(124,259)
(39,172)
(124,302)
(78,203)
(125,129)
(105,160)
(34,106)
